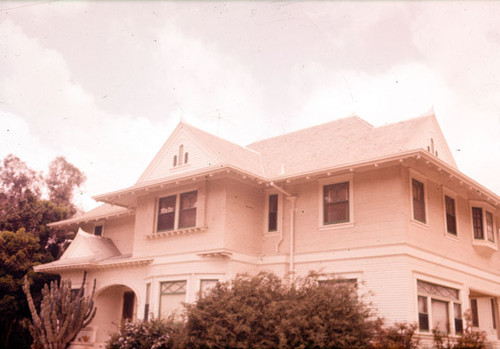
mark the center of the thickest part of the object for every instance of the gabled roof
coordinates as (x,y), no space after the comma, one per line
(215,151)
(346,141)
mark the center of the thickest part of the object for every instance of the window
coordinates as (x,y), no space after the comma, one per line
(175,161)
(173,215)
(181,151)
(186,157)
(459,323)
(451,219)
(128,306)
(423,314)
(206,285)
(483,224)
(477,221)
(443,303)
(493,313)
(146,305)
(98,230)
(418,200)
(187,214)
(336,203)
(166,213)
(474,311)
(172,294)
(272,221)
(489,226)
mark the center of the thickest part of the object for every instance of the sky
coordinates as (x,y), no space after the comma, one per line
(105,83)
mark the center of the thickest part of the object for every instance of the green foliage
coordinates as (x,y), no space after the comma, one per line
(25,241)
(470,338)
(263,311)
(61,182)
(62,314)
(397,336)
(153,334)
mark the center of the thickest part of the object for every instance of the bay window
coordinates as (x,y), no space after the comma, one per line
(177,211)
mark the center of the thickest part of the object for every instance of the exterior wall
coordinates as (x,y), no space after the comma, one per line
(121,231)
(211,212)
(433,237)
(244,217)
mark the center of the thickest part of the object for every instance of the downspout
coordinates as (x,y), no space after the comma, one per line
(292,200)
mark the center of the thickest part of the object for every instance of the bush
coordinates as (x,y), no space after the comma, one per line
(397,336)
(153,334)
(470,339)
(265,312)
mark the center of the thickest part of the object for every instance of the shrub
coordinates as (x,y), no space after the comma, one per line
(470,338)
(397,336)
(152,334)
(263,311)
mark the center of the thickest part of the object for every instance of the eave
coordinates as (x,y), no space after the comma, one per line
(87,219)
(126,197)
(59,265)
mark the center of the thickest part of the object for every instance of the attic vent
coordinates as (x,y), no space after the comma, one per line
(181,158)
(431,149)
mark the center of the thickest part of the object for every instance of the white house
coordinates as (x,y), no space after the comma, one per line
(385,206)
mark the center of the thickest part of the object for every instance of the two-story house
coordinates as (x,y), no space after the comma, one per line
(385,207)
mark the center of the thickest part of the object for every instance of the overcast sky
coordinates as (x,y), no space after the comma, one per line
(104,84)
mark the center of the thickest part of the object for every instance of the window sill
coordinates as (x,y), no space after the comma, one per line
(164,234)
(452,237)
(419,224)
(485,244)
(335,226)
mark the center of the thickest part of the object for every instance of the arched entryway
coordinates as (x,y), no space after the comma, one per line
(114,304)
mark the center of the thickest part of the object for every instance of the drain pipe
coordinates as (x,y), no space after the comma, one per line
(292,200)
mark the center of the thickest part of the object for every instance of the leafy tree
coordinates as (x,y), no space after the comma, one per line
(263,311)
(26,240)
(61,182)
(19,252)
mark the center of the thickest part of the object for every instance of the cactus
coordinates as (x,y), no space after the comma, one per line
(62,314)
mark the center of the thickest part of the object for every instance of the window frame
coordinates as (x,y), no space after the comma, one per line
(160,293)
(200,209)
(279,214)
(321,207)
(422,179)
(450,301)
(98,224)
(485,210)
(452,195)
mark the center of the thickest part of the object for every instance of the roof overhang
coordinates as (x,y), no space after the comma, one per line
(70,264)
(127,197)
(87,218)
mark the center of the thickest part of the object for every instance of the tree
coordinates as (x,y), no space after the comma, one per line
(25,241)
(61,182)
(19,252)
(263,311)
(62,314)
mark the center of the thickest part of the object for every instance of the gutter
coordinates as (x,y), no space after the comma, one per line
(292,200)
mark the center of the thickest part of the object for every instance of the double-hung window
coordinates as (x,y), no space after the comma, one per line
(336,203)
(418,199)
(483,224)
(451,217)
(177,211)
